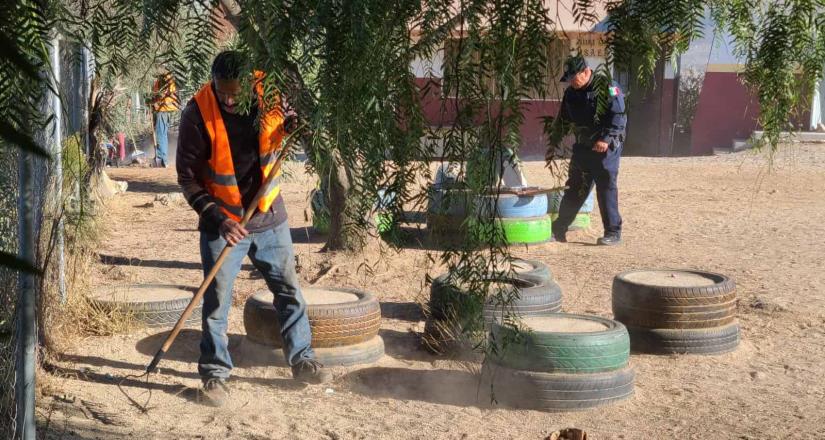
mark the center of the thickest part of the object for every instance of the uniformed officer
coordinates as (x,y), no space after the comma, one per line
(596,152)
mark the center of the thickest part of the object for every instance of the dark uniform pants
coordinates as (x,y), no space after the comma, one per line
(586,168)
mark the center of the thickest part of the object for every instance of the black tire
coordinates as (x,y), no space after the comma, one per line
(556,392)
(534,299)
(530,270)
(455,203)
(332,325)
(160,313)
(366,352)
(668,307)
(564,352)
(533,270)
(709,341)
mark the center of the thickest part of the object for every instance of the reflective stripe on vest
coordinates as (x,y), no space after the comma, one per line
(220,180)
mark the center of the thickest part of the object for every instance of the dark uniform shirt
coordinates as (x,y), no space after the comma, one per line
(194,151)
(579,107)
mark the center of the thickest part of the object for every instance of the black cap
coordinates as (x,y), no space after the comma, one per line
(572,66)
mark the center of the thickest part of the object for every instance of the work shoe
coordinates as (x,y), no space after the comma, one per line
(609,240)
(215,392)
(561,238)
(310,371)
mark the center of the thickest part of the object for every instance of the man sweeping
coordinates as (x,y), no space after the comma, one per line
(225,152)
(596,153)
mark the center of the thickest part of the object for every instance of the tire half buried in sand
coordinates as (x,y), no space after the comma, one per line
(156,305)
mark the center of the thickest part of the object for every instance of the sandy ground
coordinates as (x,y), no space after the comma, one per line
(726,214)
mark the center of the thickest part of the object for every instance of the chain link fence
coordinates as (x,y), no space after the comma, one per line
(10,216)
(8,289)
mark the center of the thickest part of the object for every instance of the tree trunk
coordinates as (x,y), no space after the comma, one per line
(344,233)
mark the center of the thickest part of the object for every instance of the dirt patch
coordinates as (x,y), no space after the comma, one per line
(147,293)
(563,324)
(316,296)
(667,278)
(729,215)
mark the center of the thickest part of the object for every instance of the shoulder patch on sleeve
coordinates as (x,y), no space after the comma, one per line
(614,91)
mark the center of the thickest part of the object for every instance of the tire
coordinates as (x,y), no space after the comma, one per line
(332,325)
(444,223)
(155,313)
(708,341)
(554,392)
(453,203)
(454,324)
(641,304)
(587,207)
(529,230)
(607,348)
(534,299)
(366,352)
(581,222)
(513,205)
(532,270)
(448,176)
(529,270)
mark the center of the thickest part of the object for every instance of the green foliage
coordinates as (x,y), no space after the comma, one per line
(690,84)
(23,35)
(345,66)
(75,164)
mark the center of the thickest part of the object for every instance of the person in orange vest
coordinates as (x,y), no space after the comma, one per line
(164,102)
(225,151)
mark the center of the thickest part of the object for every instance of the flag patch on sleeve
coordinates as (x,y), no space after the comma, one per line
(614,91)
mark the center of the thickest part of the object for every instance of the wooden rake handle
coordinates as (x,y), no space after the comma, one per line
(219,262)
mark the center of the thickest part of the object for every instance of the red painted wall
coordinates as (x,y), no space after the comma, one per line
(441,113)
(726,111)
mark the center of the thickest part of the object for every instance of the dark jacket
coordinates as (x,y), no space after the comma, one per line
(579,107)
(195,149)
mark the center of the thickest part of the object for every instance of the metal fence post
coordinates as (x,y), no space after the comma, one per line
(57,140)
(27,303)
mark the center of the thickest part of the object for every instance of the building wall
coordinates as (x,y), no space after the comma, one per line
(439,110)
(726,110)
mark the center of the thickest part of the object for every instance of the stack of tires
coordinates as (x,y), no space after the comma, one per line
(582,220)
(447,211)
(448,204)
(344,325)
(458,321)
(523,219)
(560,362)
(672,312)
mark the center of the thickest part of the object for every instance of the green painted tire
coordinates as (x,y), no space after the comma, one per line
(383,222)
(526,230)
(581,222)
(600,345)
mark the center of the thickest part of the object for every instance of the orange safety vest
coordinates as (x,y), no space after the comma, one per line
(221,182)
(165,94)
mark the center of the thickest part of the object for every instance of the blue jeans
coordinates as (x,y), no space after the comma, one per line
(161,135)
(586,168)
(271,253)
